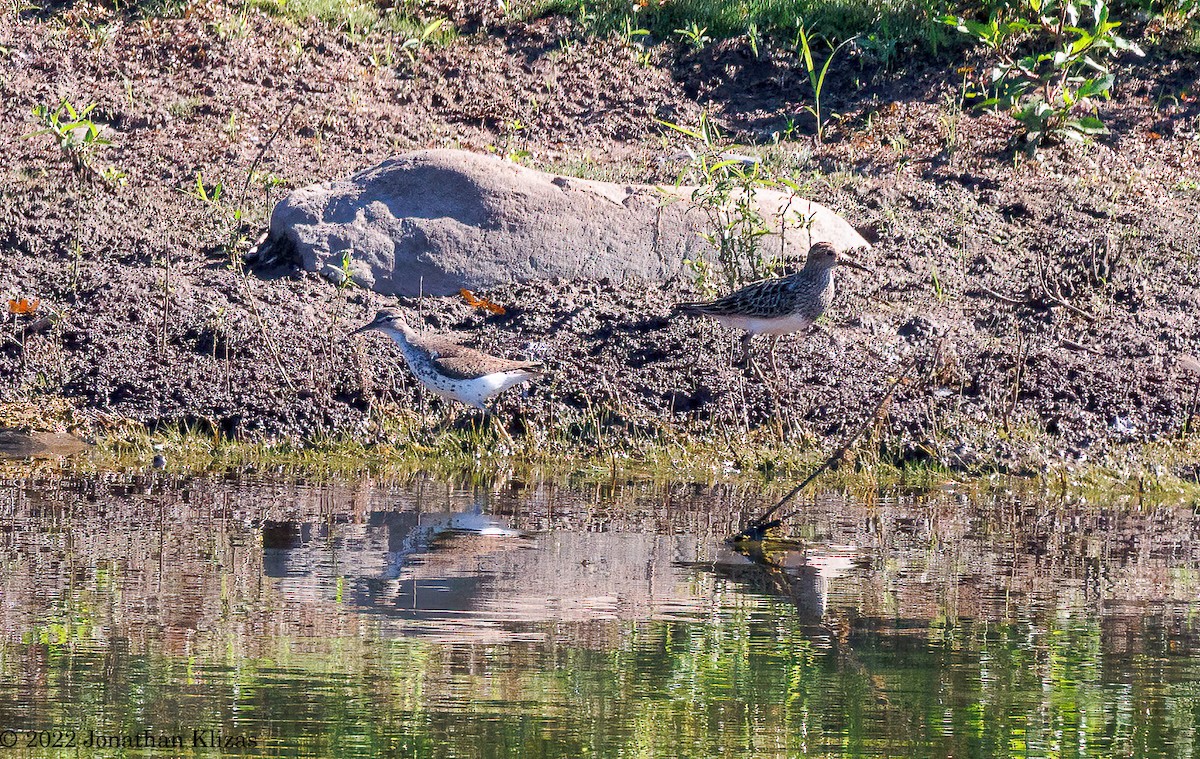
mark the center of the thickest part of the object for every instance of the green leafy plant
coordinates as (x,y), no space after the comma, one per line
(78,137)
(1053,62)
(882,48)
(632,33)
(726,193)
(703,275)
(114,176)
(347,274)
(233,27)
(513,146)
(695,35)
(885,28)
(98,33)
(232,128)
(413,45)
(207,194)
(1169,14)
(755,38)
(816,77)
(384,57)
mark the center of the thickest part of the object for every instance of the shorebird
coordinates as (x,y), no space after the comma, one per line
(777,306)
(448,369)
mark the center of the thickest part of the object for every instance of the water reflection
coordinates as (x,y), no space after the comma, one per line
(537,620)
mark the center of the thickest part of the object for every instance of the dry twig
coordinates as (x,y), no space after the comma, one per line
(758,527)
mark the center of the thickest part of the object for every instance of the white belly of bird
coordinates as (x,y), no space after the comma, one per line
(473,392)
(766,326)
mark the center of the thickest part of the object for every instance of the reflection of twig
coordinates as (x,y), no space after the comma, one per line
(757,527)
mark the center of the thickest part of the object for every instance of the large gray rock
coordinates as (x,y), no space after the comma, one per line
(438,220)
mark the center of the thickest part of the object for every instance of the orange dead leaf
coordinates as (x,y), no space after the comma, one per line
(481,303)
(23,306)
(1154,135)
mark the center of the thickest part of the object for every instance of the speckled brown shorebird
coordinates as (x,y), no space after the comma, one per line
(448,369)
(777,306)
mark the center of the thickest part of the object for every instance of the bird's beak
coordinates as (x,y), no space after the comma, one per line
(844,261)
(364,328)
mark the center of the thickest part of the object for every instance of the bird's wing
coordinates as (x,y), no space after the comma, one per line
(466,367)
(439,344)
(767,297)
(463,363)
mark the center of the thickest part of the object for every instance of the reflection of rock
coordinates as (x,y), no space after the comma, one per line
(811,572)
(375,549)
(467,572)
(434,221)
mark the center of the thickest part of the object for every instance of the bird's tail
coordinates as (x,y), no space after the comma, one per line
(694,309)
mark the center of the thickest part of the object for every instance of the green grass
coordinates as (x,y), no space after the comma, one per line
(350,14)
(1191,36)
(884,29)
(468,452)
(159,8)
(357,17)
(467,449)
(880,24)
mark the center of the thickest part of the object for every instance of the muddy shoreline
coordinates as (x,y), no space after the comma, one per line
(1046,303)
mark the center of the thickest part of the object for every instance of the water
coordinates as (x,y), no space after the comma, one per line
(284,619)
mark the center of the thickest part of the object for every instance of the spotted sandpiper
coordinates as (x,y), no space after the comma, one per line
(778,306)
(448,369)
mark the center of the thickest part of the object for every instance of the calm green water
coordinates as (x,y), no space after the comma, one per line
(537,621)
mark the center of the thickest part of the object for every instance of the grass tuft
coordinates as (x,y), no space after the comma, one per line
(880,23)
(357,18)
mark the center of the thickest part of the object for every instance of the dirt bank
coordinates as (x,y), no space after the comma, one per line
(1049,301)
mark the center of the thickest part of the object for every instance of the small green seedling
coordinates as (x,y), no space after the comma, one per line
(78,137)
(817,78)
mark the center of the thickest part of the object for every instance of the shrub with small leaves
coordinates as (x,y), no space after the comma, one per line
(726,191)
(1053,63)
